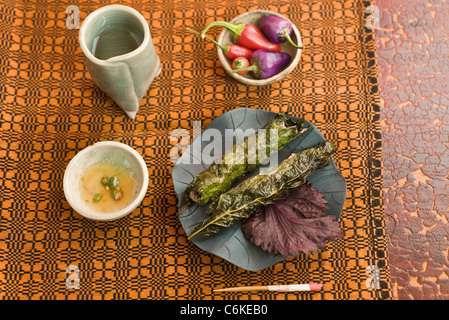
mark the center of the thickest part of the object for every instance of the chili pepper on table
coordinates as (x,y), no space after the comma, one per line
(246,35)
(240,63)
(277,30)
(265,64)
(231,51)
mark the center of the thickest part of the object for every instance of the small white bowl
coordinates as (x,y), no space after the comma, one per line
(112,152)
(253,17)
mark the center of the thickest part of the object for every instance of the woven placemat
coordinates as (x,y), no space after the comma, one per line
(51,109)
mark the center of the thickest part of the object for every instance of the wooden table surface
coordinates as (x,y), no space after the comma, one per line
(412,54)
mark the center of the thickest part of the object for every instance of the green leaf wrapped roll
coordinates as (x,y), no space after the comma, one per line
(245,199)
(243,157)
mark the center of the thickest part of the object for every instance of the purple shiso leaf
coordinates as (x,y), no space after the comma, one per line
(295,223)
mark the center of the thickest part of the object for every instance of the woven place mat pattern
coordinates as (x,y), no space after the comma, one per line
(51,109)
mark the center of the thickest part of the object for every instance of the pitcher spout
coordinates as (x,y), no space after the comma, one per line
(131,114)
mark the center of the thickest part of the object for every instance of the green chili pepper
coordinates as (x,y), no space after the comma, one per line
(97,197)
(104,181)
(111,184)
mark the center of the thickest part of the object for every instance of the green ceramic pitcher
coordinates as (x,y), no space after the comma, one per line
(120,54)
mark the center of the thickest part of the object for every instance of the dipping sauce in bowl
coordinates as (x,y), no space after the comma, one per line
(106,181)
(108,187)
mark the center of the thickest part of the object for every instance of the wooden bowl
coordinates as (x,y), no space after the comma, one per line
(253,17)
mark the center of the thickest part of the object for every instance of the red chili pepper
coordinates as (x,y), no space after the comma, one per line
(240,63)
(231,51)
(246,35)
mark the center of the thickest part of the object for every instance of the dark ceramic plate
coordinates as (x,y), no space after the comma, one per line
(230,243)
